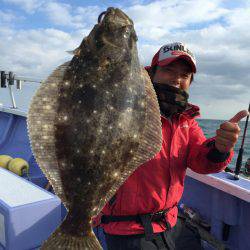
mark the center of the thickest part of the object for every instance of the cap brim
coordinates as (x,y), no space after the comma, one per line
(167,61)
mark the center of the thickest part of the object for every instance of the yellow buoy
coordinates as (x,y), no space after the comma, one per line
(18,166)
(4,160)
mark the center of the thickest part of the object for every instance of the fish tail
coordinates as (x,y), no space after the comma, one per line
(60,240)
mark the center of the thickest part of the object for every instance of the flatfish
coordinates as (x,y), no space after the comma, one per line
(92,123)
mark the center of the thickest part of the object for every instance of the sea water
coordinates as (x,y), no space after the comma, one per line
(209,128)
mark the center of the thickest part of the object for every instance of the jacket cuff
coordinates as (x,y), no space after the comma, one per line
(214,155)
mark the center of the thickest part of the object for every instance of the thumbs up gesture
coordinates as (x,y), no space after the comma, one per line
(228,133)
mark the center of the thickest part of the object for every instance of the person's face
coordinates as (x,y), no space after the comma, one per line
(177,74)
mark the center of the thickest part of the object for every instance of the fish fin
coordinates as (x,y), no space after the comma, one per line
(60,240)
(150,138)
(75,52)
(40,125)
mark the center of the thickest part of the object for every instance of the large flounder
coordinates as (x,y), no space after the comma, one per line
(91,124)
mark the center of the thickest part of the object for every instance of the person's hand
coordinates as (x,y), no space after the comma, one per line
(96,221)
(228,133)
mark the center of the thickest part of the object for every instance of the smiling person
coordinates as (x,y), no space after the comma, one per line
(143,212)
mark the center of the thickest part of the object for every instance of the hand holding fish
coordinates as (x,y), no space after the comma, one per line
(228,133)
(96,220)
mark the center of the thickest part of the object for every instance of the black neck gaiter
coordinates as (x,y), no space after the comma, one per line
(171,99)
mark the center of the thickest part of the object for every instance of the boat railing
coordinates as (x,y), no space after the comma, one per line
(10,80)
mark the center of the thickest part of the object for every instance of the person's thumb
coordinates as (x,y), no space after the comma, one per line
(239,116)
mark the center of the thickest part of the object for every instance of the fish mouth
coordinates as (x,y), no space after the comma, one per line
(118,28)
(101,16)
(115,16)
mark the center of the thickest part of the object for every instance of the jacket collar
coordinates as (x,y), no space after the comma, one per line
(191,112)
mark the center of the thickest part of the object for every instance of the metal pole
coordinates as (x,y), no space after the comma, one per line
(10,78)
(12,97)
(241,151)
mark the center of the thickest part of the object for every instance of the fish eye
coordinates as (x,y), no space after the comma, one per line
(124,30)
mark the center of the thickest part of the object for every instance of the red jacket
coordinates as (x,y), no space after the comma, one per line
(158,184)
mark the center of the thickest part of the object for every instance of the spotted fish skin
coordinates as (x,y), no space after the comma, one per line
(103,121)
